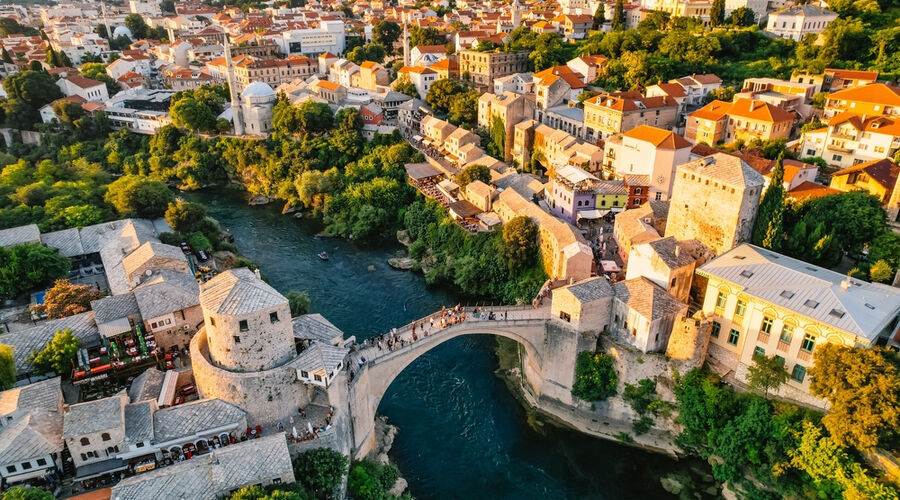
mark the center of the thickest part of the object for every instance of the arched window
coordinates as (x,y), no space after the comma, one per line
(85,441)
(105,436)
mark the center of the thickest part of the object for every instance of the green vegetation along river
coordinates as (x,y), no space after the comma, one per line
(462,433)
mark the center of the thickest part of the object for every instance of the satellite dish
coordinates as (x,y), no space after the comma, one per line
(148,272)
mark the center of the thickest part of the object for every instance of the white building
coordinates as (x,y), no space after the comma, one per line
(798,21)
(258,101)
(327,37)
(87,89)
(145,7)
(850,139)
(650,151)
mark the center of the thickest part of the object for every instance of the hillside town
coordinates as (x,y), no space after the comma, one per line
(686,213)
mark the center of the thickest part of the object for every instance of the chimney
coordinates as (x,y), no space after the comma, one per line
(677,250)
(256,272)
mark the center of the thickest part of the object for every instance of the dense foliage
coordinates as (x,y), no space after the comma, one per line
(27,493)
(299,302)
(65,298)
(767,449)
(481,265)
(29,266)
(320,471)
(7,367)
(595,376)
(369,480)
(58,355)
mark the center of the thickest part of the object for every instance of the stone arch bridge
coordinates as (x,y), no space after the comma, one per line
(548,366)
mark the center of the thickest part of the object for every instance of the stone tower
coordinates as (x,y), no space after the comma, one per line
(237,118)
(248,323)
(516,14)
(405,41)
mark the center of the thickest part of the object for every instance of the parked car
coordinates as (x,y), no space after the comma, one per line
(188,389)
(203,256)
(179,400)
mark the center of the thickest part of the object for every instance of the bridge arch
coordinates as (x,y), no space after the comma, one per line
(379,372)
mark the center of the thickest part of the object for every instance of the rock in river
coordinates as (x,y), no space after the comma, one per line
(259,199)
(403,263)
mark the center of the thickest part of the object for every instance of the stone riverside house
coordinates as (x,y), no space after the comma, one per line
(246,353)
(31,431)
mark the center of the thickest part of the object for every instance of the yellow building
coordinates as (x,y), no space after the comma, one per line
(878,177)
(611,195)
(764,303)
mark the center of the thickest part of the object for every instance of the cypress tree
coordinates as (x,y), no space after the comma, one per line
(618,20)
(717,13)
(6,56)
(767,230)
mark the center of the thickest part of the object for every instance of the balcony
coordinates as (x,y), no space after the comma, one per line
(839,135)
(842,149)
(783,346)
(804,355)
(763,337)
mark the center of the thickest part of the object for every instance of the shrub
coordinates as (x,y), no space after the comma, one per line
(595,376)
(642,425)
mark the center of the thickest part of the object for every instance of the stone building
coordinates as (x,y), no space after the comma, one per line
(258,103)
(152,256)
(95,432)
(609,114)
(508,107)
(482,67)
(665,262)
(714,203)
(650,151)
(31,442)
(246,353)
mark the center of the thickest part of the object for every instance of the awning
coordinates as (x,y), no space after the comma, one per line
(167,394)
(114,327)
(417,137)
(28,475)
(609,266)
(99,468)
(592,214)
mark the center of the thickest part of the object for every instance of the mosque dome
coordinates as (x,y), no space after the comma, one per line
(122,30)
(258,89)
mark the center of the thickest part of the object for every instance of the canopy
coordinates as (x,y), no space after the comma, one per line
(609,266)
(592,214)
(167,394)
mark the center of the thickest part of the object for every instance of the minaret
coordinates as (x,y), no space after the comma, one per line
(236,115)
(516,14)
(109,34)
(405,41)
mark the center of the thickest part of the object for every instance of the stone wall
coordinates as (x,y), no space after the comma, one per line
(689,341)
(786,391)
(264,344)
(268,396)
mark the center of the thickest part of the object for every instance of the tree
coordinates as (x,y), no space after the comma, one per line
(520,243)
(618,20)
(464,109)
(767,230)
(65,298)
(599,17)
(29,266)
(59,353)
(27,493)
(595,376)
(742,16)
(473,173)
(721,94)
(854,217)
(135,23)
(497,135)
(299,302)
(28,91)
(97,71)
(385,33)
(886,246)
(68,111)
(167,6)
(717,13)
(405,86)
(368,52)
(7,367)
(135,196)
(881,272)
(425,36)
(441,94)
(6,57)
(321,471)
(315,117)
(185,216)
(766,374)
(863,387)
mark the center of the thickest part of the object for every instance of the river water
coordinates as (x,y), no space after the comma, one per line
(462,434)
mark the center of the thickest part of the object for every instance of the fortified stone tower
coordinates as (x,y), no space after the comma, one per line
(248,323)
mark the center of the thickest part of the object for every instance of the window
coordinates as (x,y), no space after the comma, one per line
(798,373)
(273,317)
(304,374)
(810,303)
(105,436)
(237,340)
(787,333)
(638,190)
(672,284)
(85,441)
(837,313)
(767,323)
(212,321)
(746,274)
(720,301)
(565,316)
(42,461)
(733,337)
(26,465)
(715,329)
(787,294)
(809,341)
(740,308)
(10,468)
(140,445)
(83,457)
(243,325)
(759,351)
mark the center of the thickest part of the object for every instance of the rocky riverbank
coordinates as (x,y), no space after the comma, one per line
(607,420)
(385,433)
